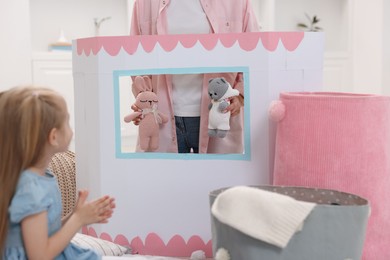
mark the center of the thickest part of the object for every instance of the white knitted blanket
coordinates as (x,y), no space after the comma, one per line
(267,216)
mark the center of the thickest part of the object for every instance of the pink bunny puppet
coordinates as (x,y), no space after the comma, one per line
(146,101)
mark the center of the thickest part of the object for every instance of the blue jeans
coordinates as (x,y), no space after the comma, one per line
(187,132)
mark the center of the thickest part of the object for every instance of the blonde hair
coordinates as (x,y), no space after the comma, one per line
(27,115)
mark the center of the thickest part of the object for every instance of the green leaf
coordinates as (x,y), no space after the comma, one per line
(302,25)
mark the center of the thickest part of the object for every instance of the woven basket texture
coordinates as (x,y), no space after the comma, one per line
(63,165)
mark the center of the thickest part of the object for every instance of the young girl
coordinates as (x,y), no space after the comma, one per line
(34,125)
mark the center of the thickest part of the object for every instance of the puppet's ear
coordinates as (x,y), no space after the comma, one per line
(147,83)
(143,83)
(139,84)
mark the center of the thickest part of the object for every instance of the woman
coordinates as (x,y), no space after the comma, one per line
(186,130)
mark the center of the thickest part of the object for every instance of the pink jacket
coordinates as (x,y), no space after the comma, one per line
(225,16)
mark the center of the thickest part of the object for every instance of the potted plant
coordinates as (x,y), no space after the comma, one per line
(312,25)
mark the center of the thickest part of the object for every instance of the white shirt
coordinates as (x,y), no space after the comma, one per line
(186,17)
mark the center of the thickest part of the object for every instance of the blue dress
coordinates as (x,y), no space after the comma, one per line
(35,194)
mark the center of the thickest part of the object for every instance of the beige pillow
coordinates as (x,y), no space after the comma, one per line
(101,246)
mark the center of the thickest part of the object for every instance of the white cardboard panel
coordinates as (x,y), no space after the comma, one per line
(167,194)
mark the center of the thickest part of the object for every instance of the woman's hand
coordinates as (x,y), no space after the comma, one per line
(236,103)
(138,119)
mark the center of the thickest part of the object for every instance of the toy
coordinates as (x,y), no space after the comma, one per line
(146,101)
(220,92)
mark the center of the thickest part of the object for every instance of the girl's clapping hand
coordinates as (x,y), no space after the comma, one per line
(97,211)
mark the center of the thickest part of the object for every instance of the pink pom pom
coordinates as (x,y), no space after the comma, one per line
(277,110)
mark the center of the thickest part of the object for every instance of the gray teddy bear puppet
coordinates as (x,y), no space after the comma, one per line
(220,92)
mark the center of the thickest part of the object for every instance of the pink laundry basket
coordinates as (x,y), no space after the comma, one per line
(338,141)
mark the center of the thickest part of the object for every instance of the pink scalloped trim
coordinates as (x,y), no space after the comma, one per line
(154,245)
(247,41)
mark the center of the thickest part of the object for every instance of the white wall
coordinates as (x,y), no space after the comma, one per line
(386,48)
(15,43)
(331,13)
(367,46)
(76,18)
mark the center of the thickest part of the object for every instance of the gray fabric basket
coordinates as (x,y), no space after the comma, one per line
(334,230)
